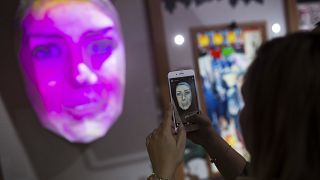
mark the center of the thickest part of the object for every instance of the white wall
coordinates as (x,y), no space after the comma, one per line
(212,13)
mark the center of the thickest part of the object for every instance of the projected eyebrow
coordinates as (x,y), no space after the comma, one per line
(87,33)
(99,32)
(40,35)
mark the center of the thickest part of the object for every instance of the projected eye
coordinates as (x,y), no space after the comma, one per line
(100,47)
(47,51)
(178,94)
(99,51)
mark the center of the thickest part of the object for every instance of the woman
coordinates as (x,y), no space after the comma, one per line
(280,120)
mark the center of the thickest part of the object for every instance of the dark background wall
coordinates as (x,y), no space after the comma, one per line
(14,163)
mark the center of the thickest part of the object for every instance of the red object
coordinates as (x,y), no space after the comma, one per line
(216,53)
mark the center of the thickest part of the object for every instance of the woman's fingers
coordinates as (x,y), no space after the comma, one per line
(151,135)
(166,124)
(181,138)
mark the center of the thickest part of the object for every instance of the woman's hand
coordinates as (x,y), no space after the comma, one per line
(201,136)
(229,162)
(165,148)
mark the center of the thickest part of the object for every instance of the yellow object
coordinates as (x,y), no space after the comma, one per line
(203,40)
(232,37)
(231,140)
(218,39)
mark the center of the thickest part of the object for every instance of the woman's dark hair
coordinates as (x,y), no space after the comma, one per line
(317,27)
(281,119)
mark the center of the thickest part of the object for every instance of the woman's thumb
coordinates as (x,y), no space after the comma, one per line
(181,137)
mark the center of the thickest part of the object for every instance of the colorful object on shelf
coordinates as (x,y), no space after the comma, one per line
(218,39)
(227,51)
(231,37)
(203,40)
(216,53)
(73,60)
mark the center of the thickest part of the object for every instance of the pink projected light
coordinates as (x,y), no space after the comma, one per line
(72,56)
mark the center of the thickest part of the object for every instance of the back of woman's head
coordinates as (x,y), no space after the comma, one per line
(317,27)
(281,119)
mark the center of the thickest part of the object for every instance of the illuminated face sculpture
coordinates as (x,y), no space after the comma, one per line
(184,95)
(72,56)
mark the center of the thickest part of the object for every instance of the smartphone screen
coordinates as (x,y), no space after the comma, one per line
(184,96)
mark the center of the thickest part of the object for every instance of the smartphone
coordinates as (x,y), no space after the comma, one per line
(184,96)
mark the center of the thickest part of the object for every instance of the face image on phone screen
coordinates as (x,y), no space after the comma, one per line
(184,96)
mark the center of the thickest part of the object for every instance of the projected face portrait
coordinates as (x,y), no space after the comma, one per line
(184,95)
(72,56)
